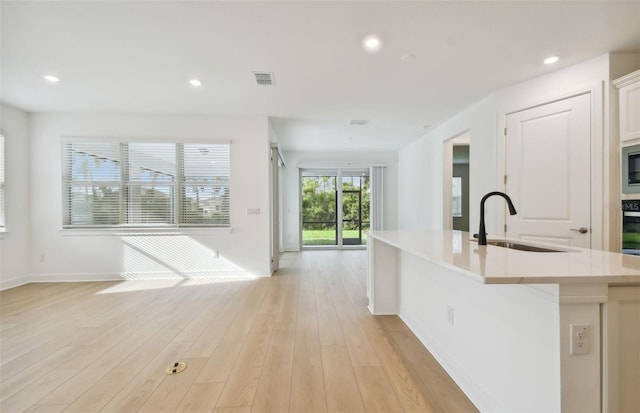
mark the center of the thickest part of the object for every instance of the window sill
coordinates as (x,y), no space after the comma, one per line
(144,231)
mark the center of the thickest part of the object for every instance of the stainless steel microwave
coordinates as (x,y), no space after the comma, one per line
(631,169)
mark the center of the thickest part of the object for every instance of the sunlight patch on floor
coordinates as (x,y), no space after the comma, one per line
(156,284)
(130,286)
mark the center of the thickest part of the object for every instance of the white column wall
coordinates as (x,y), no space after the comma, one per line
(14,243)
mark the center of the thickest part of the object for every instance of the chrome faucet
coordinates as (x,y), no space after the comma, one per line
(482,232)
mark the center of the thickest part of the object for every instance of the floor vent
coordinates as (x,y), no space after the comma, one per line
(175,368)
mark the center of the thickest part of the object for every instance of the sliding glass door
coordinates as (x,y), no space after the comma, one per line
(355,207)
(335,208)
(319,209)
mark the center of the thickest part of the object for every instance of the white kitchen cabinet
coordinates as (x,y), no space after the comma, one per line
(629,106)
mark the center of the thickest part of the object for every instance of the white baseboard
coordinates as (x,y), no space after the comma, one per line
(12,283)
(483,401)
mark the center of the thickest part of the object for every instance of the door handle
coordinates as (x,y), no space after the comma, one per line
(582,230)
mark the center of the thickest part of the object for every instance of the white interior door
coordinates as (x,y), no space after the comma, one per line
(548,167)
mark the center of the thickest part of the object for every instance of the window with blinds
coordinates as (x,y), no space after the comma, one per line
(145,184)
(2,195)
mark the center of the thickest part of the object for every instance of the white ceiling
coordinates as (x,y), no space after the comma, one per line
(137,57)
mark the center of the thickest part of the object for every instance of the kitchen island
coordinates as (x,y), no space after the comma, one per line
(499,320)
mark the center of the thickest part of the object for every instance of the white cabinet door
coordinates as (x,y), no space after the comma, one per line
(548,172)
(630,112)
(629,106)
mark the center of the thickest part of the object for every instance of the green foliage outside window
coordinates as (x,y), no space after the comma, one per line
(319,202)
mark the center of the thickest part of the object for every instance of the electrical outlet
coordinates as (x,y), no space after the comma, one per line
(579,340)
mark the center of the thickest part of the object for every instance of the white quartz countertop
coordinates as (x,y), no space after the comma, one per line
(497,265)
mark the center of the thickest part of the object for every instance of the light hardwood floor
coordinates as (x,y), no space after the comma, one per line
(300,341)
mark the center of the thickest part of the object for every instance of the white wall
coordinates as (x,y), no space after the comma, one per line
(76,255)
(291,186)
(421,161)
(14,244)
(421,168)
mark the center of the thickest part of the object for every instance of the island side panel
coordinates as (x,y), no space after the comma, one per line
(382,279)
(581,376)
(580,305)
(500,343)
(622,340)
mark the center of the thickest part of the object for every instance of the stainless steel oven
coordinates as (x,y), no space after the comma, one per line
(631,227)
(631,169)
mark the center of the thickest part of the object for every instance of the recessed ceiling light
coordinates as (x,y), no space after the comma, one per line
(51,78)
(551,60)
(372,43)
(409,57)
(195,82)
(358,122)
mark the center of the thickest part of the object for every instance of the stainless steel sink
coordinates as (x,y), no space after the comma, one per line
(520,247)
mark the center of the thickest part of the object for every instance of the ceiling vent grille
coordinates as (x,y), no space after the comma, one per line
(264,78)
(358,122)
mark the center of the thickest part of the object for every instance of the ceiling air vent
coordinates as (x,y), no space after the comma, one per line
(264,78)
(358,122)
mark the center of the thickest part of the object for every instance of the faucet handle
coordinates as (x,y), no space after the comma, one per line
(476,236)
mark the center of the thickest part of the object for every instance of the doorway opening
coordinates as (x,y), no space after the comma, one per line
(456,182)
(335,208)
(460,188)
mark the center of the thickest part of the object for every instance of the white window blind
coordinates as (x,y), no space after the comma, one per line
(2,194)
(205,184)
(146,184)
(150,180)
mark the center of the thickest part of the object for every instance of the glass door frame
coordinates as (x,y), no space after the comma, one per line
(359,220)
(338,174)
